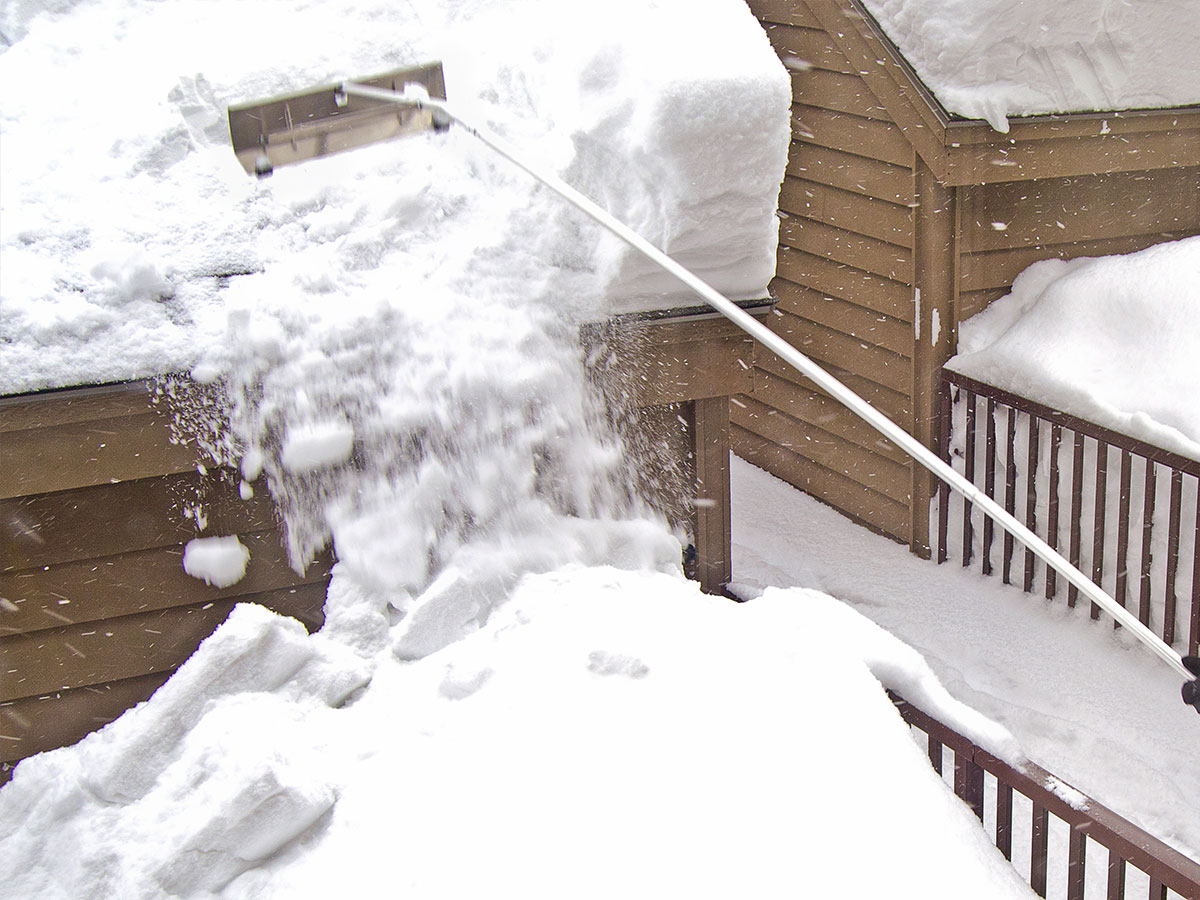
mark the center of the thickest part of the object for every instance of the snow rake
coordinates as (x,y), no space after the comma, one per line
(332,118)
(325,120)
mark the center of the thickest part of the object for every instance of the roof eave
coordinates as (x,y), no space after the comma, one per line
(969,151)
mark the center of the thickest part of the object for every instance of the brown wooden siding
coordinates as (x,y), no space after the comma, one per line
(876,139)
(1002,160)
(852,172)
(846,494)
(843,287)
(837,91)
(1007,227)
(95,508)
(885,195)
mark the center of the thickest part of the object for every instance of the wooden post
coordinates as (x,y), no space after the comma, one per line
(708,420)
(935,287)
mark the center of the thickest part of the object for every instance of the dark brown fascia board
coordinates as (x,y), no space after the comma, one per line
(969,151)
(1121,122)
(1049,154)
(59,406)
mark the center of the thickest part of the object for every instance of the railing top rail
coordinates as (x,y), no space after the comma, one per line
(1075,423)
(1164,863)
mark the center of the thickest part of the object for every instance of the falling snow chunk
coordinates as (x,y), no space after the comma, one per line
(317,445)
(219,561)
(252,464)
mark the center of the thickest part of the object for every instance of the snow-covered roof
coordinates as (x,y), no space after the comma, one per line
(992,59)
(129,231)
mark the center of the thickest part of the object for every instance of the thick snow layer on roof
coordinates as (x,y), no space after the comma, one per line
(1113,340)
(607,734)
(991,59)
(125,219)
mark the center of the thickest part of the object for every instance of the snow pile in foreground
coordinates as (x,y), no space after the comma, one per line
(607,734)
(991,59)
(126,222)
(1084,701)
(1113,340)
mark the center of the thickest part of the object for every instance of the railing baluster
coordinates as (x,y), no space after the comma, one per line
(1004,810)
(1147,531)
(1173,514)
(1076,864)
(1076,511)
(968,782)
(1123,531)
(935,754)
(1031,495)
(1158,890)
(989,482)
(1052,516)
(969,474)
(1037,853)
(1099,517)
(1010,486)
(1116,876)
(1194,639)
(947,410)
(1088,822)
(1116,563)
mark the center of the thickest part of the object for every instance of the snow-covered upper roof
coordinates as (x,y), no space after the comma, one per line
(991,59)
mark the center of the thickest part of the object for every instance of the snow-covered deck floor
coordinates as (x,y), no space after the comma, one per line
(1084,703)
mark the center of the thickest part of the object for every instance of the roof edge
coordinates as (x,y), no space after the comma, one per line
(969,151)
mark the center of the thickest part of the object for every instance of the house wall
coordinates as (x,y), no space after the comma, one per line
(1005,227)
(97,610)
(897,223)
(844,288)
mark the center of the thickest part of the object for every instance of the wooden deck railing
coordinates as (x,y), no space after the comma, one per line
(1053,470)
(1049,830)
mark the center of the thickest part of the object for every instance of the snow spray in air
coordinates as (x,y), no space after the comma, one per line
(447,442)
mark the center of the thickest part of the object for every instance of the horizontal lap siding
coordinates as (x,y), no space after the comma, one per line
(1007,227)
(844,494)
(93,590)
(782,12)
(97,504)
(93,653)
(109,519)
(73,694)
(80,454)
(843,287)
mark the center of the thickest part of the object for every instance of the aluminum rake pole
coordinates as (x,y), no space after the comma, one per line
(803,364)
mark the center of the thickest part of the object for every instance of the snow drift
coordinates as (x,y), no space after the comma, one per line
(606,734)
(1111,340)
